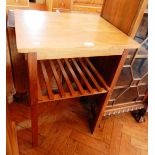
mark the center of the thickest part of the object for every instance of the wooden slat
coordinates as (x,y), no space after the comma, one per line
(39,90)
(83,76)
(49,87)
(74,77)
(41,77)
(97,74)
(69,96)
(57,78)
(90,75)
(66,78)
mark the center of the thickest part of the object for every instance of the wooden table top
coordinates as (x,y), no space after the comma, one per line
(67,35)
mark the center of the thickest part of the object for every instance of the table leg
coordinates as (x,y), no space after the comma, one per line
(32,74)
(105,101)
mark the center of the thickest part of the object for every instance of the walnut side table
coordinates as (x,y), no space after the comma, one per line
(57,44)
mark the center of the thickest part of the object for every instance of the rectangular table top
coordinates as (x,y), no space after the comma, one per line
(67,35)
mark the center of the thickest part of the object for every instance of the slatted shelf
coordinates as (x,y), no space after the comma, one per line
(68,78)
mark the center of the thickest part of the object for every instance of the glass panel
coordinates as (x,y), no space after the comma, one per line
(128,61)
(125,77)
(142,89)
(135,82)
(131,52)
(129,96)
(140,67)
(110,102)
(117,92)
(144,80)
(143,50)
(145,45)
(140,98)
(130,56)
(142,32)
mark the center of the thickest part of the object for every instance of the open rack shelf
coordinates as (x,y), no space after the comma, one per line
(68,78)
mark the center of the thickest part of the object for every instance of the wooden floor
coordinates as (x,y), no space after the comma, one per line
(64,130)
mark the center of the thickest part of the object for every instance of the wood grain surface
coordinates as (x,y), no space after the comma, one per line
(64,130)
(68,35)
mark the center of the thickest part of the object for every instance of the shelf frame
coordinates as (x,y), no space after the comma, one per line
(104,102)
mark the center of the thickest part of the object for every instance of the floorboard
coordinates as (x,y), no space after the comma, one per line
(64,130)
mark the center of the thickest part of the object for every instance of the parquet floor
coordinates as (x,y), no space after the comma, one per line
(64,130)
